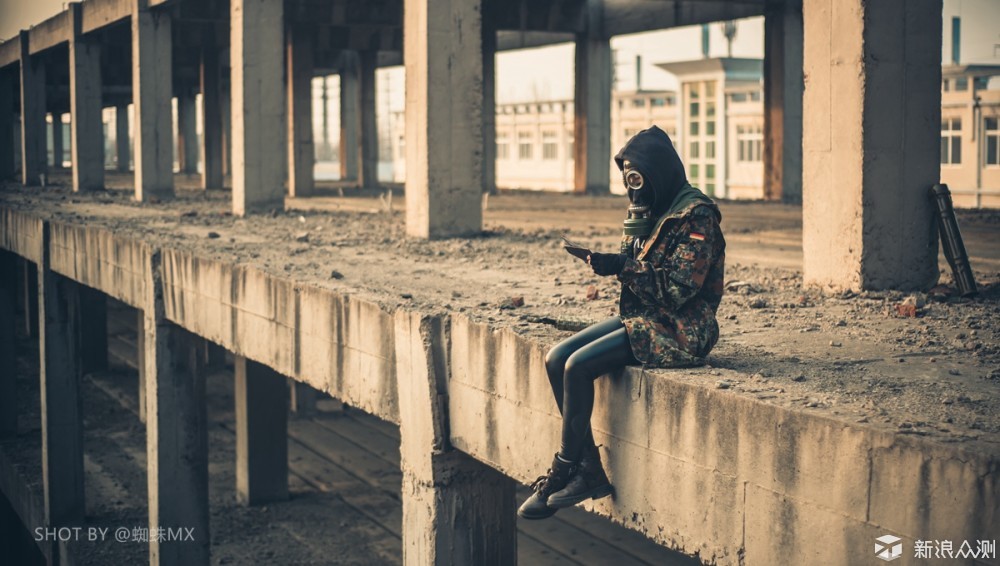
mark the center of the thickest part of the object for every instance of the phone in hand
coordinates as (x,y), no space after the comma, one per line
(576,250)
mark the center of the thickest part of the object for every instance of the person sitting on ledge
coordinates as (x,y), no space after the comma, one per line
(671,267)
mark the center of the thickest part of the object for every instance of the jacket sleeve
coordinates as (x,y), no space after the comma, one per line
(673,281)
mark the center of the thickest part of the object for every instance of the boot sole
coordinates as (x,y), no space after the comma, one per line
(596,493)
(536,517)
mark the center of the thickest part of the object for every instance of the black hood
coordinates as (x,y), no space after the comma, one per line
(653,154)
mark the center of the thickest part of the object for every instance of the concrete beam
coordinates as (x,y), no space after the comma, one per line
(51,32)
(210,76)
(350,115)
(33,138)
(98,14)
(87,126)
(261,396)
(444,99)
(867,220)
(187,133)
(301,151)
(256,43)
(7,118)
(783,86)
(592,106)
(10,52)
(455,510)
(59,374)
(97,258)
(633,16)
(368,141)
(123,143)
(176,432)
(8,353)
(152,90)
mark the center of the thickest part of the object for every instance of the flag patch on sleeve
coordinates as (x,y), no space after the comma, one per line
(697,236)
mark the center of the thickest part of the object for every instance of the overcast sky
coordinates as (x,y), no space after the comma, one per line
(548,72)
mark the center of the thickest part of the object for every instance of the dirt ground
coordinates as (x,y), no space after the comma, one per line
(847,355)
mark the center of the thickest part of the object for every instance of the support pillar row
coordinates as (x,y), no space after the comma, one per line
(152,90)
(211,105)
(33,144)
(87,126)
(592,106)
(301,152)
(368,142)
(350,117)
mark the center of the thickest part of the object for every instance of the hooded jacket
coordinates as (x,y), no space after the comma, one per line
(672,282)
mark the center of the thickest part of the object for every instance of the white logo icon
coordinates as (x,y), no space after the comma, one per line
(888,548)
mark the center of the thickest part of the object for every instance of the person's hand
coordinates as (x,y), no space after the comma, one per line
(607,264)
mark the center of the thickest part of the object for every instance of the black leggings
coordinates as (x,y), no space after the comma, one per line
(572,366)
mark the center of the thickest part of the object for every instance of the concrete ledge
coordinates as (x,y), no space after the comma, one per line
(97,258)
(99,13)
(707,471)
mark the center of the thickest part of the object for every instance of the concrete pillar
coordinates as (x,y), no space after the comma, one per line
(8,354)
(350,115)
(368,144)
(257,41)
(7,154)
(87,126)
(187,133)
(30,298)
(59,376)
(783,86)
(227,131)
(261,433)
(303,398)
(455,510)
(444,98)
(122,142)
(93,330)
(211,112)
(176,435)
(489,107)
(33,144)
(152,90)
(592,106)
(141,362)
(871,149)
(301,152)
(58,151)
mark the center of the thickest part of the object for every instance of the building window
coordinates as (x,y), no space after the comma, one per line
(695,109)
(638,103)
(710,171)
(992,133)
(748,143)
(659,101)
(945,85)
(693,150)
(503,147)
(755,96)
(524,145)
(710,150)
(738,97)
(694,128)
(549,146)
(962,83)
(951,141)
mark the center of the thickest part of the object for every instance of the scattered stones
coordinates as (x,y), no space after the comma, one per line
(406,295)
(841,323)
(835,344)
(954,372)
(189,214)
(593,293)
(302,236)
(758,303)
(722,384)
(905,311)
(799,378)
(212,235)
(512,303)
(336,274)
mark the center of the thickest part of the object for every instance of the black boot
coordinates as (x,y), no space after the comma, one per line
(588,482)
(555,479)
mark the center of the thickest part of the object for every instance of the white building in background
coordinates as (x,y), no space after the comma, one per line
(717,123)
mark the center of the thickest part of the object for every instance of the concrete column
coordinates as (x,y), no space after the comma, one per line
(30,287)
(227,131)
(261,433)
(211,111)
(368,144)
(489,106)
(176,435)
(87,126)
(33,144)
(350,115)
(257,41)
(444,99)
(93,330)
(152,90)
(871,147)
(62,422)
(455,509)
(122,142)
(783,86)
(303,398)
(7,116)
(58,152)
(141,362)
(592,106)
(187,133)
(301,152)
(8,354)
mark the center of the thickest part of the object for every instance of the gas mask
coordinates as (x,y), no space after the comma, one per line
(641,196)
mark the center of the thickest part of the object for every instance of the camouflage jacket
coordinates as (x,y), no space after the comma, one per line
(672,286)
